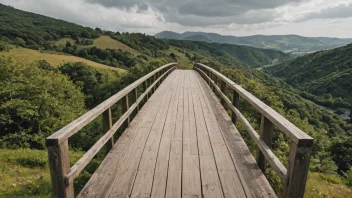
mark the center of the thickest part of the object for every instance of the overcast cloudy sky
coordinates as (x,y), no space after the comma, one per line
(230,17)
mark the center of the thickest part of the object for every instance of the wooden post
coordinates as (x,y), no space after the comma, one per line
(135,95)
(59,163)
(145,88)
(125,107)
(153,82)
(236,103)
(297,171)
(222,88)
(107,124)
(266,134)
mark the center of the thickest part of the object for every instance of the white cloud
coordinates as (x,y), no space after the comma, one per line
(240,17)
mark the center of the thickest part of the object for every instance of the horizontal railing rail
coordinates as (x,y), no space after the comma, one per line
(295,176)
(62,175)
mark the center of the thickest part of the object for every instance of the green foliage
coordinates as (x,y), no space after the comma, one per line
(148,45)
(320,73)
(25,27)
(232,55)
(4,47)
(34,103)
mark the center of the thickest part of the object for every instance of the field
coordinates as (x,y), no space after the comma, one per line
(29,55)
(103,42)
(181,58)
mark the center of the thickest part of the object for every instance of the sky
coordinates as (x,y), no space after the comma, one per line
(330,18)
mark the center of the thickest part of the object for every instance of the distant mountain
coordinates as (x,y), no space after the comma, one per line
(320,73)
(286,43)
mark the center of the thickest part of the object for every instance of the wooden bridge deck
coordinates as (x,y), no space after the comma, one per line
(182,143)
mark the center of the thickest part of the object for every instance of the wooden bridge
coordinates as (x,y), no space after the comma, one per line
(181,143)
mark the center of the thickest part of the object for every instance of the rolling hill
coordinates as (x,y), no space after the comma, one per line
(320,73)
(286,43)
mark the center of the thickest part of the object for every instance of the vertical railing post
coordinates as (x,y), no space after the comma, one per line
(125,107)
(145,88)
(266,134)
(154,76)
(235,103)
(59,163)
(135,96)
(297,171)
(222,88)
(107,124)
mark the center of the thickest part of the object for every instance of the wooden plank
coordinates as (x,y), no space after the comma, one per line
(161,168)
(253,180)
(121,186)
(82,121)
(211,186)
(278,120)
(107,124)
(59,166)
(267,152)
(266,134)
(143,182)
(298,165)
(173,188)
(191,180)
(123,148)
(230,181)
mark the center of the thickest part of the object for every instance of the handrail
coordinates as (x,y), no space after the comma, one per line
(62,174)
(295,176)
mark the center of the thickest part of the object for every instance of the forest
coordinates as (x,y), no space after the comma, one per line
(37,98)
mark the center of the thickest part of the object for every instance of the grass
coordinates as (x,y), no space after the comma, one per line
(182,60)
(29,55)
(103,42)
(324,185)
(25,173)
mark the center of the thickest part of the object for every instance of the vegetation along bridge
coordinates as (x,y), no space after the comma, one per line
(181,142)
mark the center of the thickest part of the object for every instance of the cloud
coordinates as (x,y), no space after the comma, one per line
(343,10)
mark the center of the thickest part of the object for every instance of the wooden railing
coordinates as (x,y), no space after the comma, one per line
(62,175)
(295,176)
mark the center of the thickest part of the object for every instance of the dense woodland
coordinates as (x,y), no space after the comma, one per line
(36,99)
(326,73)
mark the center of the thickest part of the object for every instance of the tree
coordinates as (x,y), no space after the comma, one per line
(34,103)
(68,44)
(173,56)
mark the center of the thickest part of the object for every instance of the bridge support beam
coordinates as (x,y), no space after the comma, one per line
(107,124)
(266,134)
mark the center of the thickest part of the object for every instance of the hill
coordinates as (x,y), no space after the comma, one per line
(54,59)
(321,73)
(286,43)
(233,55)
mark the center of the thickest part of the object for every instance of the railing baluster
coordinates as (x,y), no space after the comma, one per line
(236,103)
(145,88)
(107,124)
(266,134)
(125,107)
(222,88)
(297,172)
(59,163)
(135,95)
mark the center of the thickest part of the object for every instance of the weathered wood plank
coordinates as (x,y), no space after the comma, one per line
(211,186)
(59,166)
(298,164)
(161,168)
(230,181)
(266,134)
(102,178)
(253,180)
(191,180)
(107,124)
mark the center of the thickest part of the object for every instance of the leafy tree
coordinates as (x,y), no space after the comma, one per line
(34,103)
(68,44)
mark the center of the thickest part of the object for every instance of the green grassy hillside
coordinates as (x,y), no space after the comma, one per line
(322,73)
(29,55)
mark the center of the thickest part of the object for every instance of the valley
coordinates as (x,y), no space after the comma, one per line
(53,71)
